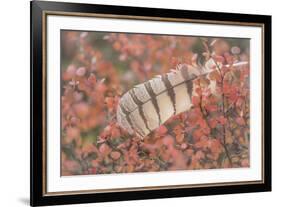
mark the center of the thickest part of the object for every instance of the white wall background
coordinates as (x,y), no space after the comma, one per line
(14,102)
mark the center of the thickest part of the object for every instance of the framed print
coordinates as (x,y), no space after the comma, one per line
(139,103)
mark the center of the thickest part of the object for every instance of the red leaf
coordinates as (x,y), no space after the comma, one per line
(240,121)
(211,108)
(104,149)
(115,155)
(81,71)
(222,120)
(195,100)
(215,76)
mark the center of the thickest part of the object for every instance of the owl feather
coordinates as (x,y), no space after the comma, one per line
(148,105)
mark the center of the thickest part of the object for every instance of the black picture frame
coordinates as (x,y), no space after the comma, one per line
(38,125)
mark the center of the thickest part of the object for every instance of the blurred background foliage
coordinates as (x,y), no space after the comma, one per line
(98,67)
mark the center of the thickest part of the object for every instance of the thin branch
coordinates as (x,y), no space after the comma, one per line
(224,115)
(202,109)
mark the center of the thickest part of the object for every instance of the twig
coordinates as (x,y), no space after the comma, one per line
(223,143)
(224,115)
(202,109)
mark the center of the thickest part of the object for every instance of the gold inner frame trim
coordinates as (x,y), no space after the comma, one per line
(114,16)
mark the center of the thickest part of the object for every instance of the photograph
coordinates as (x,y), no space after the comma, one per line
(150,102)
(136,103)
